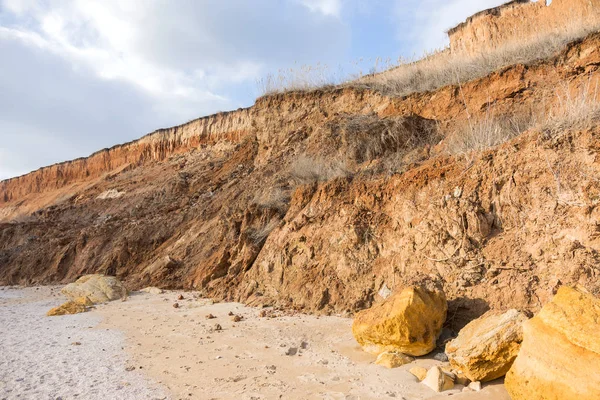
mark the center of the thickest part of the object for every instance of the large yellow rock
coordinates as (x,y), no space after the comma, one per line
(408,322)
(486,348)
(98,288)
(76,306)
(560,353)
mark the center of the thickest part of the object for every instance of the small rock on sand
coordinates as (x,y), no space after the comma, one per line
(392,359)
(437,380)
(419,372)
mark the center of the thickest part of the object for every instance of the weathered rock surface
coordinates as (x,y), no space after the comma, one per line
(393,359)
(486,348)
(438,380)
(560,354)
(97,288)
(79,305)
(152,290)
(408,322)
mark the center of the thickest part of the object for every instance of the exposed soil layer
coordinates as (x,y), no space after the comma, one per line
(222,206)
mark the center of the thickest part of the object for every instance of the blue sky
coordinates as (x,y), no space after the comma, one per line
(80,75)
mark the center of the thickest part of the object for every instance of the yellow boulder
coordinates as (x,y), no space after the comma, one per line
(392,359)
(560,353)
(98,288)
(76,306)
(407,322)
(486,348)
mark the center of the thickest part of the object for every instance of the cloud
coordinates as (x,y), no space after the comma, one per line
(80,75)
(325,7)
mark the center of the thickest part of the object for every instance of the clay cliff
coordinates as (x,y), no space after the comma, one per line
(328,200)
(521,21)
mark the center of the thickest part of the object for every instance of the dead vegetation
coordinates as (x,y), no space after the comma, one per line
(573,110)
(368,137)
(434,70)
(308,170)
(273,198)
(259,235)
(488,131)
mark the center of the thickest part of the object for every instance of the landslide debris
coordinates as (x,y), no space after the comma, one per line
(407,322)
(560,353)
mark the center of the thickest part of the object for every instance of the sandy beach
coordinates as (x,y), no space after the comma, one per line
(66,357)
(144,348)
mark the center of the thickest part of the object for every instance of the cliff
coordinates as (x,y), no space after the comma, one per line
(521,21)
(155,146)
(319,200)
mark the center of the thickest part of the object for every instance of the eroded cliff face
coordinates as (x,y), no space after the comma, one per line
(520,21)
(222,207)
(156,146)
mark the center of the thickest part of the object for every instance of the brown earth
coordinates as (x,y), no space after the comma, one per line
(521,20)
(221,204)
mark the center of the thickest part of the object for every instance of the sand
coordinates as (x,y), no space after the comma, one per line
(183,356)
(288,357)
(39,360)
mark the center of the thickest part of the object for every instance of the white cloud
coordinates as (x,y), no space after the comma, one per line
(325,7)
(79,75)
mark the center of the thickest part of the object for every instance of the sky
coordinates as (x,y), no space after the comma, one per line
(77,76)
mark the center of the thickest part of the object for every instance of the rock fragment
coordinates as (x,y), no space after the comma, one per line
(560,353)
(408,322)
(392,359)
(438,380)
(152,290)
(79,305)
(98,288)
(486,347)
(419,372)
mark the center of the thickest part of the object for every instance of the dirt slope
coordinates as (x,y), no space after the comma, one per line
(221,204)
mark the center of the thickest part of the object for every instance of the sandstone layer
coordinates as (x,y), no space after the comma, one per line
(520,21)
(560,352)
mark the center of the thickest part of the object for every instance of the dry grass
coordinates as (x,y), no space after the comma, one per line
(307,170)
(369,137)
(489,131)
(573,110)
(302,78)
(444,68)
(260,234)
(275,198)
(433,71)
